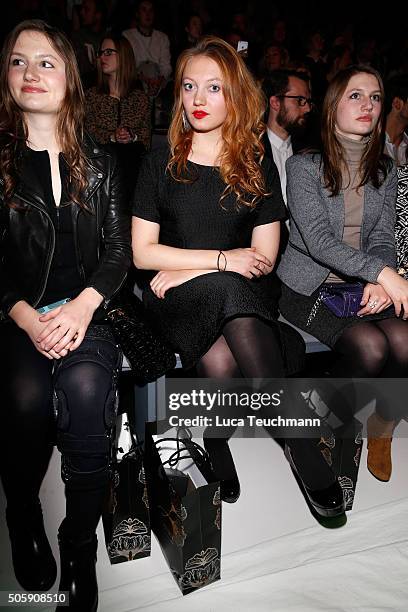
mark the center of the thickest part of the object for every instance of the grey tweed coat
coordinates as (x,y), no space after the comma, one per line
(316,228)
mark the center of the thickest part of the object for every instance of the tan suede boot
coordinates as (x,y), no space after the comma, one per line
(379,438)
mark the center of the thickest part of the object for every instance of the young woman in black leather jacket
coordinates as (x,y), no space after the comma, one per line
(64,236)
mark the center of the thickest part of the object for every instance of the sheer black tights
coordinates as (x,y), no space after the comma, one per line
(27,416)
(375,349)
(248,348)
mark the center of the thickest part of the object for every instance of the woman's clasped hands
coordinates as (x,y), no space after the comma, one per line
(248,262)
(65,327)
(123,135)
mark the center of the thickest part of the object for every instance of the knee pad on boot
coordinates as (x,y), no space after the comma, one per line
(85,462)
(86,455)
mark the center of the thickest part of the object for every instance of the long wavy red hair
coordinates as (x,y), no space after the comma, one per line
(242,131)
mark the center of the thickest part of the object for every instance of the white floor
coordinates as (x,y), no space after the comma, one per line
(275,555)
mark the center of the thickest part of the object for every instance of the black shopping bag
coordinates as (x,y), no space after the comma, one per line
(126,519)
(341,440)
(185,518)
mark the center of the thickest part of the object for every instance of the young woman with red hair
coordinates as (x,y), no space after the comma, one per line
(207,212)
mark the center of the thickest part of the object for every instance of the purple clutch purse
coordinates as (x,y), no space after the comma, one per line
(342,299)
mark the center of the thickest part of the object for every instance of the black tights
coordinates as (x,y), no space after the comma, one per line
(247,348)
(28,424)
(374,350)
(84,390)
(250,348)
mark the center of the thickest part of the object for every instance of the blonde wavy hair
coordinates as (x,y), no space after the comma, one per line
(242,130)
(13,129)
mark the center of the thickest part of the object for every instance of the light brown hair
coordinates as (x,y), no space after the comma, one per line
(126,77)
(13,129)
(242,130)
(373,165)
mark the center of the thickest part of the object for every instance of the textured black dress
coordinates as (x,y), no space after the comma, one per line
(191,216)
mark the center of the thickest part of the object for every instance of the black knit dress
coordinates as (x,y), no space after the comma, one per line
(191,216)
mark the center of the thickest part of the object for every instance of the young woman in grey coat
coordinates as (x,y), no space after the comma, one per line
(342,207)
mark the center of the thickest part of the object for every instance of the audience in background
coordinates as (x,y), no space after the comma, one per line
(289,106)
(396,136)
(316,62)
(117,111)
(274,32)
(87,39)
(192,30)
(275,57)
(338,58)
(151,49)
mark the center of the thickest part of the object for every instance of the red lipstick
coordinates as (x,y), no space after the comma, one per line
(200,114)
(367,118)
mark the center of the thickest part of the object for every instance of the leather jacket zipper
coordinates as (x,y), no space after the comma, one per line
(77,251)
(50,252)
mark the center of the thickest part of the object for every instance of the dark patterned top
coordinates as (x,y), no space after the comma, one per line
(103,114)
(401,226)
(191,215)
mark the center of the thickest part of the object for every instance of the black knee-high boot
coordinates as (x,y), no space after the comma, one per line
(78,570)
(34,564)
(78,545)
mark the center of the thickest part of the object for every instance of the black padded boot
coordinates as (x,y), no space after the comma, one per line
(34,564)
(78,572)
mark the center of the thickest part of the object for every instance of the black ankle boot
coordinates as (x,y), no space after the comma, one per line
(223,467)
(34,564)
(78,572)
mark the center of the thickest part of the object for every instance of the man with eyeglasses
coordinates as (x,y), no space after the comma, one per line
(289,105)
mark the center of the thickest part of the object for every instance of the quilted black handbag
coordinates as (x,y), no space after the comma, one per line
(148,354)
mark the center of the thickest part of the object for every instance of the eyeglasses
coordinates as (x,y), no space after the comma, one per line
(106,52)
(301,100)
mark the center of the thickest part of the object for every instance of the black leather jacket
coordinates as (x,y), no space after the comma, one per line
(27,237)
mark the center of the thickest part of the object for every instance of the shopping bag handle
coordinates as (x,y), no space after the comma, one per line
(178,453)
(136,444)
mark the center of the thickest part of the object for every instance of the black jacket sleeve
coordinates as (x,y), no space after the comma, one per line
(116,252)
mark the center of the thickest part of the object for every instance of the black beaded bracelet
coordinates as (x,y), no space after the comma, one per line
(218,262)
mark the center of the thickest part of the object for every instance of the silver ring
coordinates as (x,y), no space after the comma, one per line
(372,304)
